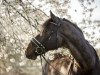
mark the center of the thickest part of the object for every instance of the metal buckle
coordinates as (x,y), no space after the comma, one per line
(39,50)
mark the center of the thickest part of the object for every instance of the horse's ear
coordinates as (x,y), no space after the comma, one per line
(53,17)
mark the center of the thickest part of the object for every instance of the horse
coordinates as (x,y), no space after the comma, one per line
(60,32)
(61,65)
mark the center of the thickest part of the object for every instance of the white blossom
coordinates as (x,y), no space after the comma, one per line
(5,56)
(8,68)
(97,46)
(12,40)
(12,60)
(1,55)
(17,51)
(22,63)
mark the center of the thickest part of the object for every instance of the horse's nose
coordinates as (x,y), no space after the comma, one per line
(28,55)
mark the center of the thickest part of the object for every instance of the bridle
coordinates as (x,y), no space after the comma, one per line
(40,49)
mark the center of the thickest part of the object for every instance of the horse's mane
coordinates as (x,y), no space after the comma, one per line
(73,24)
(47,22)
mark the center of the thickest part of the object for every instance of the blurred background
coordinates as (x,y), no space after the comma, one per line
(21,20)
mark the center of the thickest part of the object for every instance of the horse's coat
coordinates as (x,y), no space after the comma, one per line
(59,32)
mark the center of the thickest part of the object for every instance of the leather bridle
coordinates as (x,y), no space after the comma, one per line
(40,49)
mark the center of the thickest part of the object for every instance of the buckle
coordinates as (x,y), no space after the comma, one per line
(39,50)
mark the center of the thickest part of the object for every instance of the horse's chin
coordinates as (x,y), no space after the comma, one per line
(34,58)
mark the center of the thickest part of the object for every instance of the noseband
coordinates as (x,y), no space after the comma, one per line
(40,49)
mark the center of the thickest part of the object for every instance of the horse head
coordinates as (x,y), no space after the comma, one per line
(48,39)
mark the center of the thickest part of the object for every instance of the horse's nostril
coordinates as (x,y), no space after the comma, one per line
(28,56)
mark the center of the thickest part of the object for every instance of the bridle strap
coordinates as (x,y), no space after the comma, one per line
(42,65)
(55,30)
(41,45)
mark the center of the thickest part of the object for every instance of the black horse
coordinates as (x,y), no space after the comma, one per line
(58,32)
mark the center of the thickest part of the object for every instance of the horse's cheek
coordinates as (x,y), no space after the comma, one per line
(51,44)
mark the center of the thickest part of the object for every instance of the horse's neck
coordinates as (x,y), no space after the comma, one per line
(73,25)
(83,52)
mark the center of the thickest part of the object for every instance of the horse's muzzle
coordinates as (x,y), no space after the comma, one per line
(31,56)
